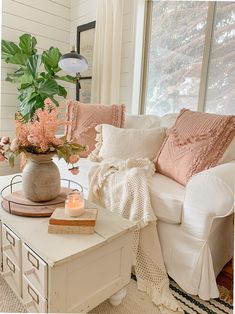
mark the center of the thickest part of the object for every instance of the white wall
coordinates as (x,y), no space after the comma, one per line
(84,11)
(54,23)
(49,22)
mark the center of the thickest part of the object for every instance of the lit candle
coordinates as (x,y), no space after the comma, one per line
(74,204)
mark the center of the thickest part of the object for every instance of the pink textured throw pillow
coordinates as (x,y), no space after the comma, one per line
(196,142)
(84,118)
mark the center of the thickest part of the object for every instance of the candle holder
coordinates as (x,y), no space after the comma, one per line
(74,204)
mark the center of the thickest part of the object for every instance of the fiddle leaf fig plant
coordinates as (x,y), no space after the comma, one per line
(37,74)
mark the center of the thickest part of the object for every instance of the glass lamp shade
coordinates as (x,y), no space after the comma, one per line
(73,63)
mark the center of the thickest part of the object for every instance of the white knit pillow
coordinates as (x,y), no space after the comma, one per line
(127,143)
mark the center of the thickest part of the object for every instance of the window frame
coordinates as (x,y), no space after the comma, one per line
(211,12)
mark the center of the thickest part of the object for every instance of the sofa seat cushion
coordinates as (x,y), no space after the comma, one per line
(167,197)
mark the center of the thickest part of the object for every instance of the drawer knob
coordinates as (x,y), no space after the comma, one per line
(10,265)
(33,294)
(10,238)
(33,260)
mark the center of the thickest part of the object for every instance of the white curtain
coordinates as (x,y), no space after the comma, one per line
(107,52)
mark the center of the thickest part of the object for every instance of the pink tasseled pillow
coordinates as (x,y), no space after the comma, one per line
(196,142)
(84,118)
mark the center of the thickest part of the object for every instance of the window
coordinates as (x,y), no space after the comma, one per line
(178,63)
(221,78)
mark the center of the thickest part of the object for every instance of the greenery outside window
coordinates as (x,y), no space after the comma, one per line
(190,57)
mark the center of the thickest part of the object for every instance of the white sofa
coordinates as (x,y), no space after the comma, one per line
(195,223)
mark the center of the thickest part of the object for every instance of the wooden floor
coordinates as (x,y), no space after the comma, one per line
(225,278)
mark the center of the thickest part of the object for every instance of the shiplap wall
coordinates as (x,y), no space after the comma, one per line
(84,11)
(49,22)
(54,23)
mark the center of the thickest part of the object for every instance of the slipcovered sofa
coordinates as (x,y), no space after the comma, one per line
(195,222)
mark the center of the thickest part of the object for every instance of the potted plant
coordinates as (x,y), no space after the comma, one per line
(36,75)
(38,141)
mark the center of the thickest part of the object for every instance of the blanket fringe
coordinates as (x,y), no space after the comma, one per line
(165,302)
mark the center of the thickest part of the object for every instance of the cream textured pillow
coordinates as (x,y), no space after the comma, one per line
(127,143)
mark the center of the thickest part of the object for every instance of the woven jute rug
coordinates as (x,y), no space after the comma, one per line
(134,302)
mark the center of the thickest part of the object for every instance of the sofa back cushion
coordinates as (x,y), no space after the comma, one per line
(142,121)
(83,118)
(229,153)
(127,143)
(149,121)
(196,142)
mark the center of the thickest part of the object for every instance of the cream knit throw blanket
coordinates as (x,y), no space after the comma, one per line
(122,187)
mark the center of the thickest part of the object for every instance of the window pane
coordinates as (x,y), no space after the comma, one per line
(221,80)
(175,59)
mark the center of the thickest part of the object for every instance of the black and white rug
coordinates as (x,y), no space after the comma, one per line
(194,305)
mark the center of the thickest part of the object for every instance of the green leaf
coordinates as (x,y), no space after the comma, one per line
(29,103)
(54,101)
(27,44)
(50,59)
(11,159)
(33,63)
(66,78)
(48,87)
(18,58)
(19,117)
(21,78)
(9,49)
(62,91)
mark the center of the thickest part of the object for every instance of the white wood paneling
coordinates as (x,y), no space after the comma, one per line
(35,14)
(63,3)
(30,26)
(48,6)
(84,11)
(49,22)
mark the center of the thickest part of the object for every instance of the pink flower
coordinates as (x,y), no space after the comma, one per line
(32,139)
(74,170)
(2,158)
(4,140)
(48,101)
(73,159)
(14,145)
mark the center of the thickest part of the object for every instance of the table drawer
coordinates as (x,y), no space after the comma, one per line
(12,274)
(35,270)
(11,245)
(32,299)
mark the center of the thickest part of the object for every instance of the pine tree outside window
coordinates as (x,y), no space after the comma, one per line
(191,57)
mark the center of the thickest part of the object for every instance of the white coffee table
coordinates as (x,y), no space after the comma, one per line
(65,273)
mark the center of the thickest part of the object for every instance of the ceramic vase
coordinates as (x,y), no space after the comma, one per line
(40,178)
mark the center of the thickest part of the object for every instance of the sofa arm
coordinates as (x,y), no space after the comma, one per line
(209,195)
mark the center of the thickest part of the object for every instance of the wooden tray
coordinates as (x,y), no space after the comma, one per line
(16,204)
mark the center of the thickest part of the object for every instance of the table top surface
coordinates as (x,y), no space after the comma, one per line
(55,248)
